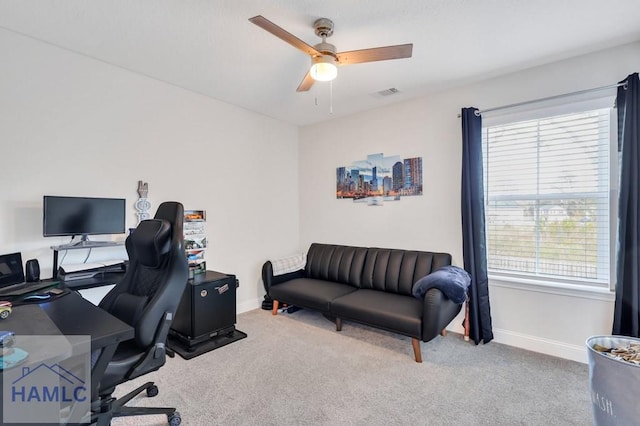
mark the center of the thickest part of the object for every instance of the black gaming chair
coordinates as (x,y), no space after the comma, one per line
(146,298)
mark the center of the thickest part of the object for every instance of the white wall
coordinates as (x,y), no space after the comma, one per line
(71,125)
(554,323)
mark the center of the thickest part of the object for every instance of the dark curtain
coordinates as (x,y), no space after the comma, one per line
(626,317)
(473,230)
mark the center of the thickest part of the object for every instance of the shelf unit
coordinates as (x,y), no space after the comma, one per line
(195,240)
(81,245)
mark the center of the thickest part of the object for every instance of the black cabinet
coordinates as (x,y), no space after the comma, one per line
(207,309)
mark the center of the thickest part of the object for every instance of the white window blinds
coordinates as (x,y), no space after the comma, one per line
(547,197)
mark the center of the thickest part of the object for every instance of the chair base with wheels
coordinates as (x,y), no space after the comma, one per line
(110,407)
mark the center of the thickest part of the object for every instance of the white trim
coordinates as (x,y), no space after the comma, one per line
(539,286)
(541,345)
(530,343)
(614,183)
(541,110)
(249,305)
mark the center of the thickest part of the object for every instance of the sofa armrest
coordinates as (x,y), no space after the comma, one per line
(269,280)
(438,311)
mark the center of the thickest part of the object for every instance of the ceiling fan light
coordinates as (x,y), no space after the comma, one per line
(323,68)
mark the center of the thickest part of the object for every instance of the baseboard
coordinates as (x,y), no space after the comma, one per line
(249,305)
(530,343)
(541,345)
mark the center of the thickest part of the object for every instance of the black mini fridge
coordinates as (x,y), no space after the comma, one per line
(206,316)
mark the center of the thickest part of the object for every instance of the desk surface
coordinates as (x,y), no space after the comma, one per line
(31,320)
(69,315)
(73,314)
(106,278)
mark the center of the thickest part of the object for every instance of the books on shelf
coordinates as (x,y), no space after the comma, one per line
(195,240)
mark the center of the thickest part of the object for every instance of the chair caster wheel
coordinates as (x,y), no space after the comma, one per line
(174,419)
(152,391)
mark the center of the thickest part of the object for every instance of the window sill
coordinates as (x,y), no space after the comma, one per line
(541,286)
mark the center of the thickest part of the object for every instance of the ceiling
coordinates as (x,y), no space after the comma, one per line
(210,47)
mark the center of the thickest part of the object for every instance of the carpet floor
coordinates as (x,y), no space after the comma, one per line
(295,369)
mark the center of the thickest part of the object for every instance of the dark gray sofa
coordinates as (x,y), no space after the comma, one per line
(372,286)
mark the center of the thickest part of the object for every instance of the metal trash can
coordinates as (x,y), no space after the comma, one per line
(614,384)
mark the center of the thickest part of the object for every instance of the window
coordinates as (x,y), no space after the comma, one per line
(547,202)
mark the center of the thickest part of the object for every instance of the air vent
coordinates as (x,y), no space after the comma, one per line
(388,92)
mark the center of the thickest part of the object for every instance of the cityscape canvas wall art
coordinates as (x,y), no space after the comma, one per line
(378,179)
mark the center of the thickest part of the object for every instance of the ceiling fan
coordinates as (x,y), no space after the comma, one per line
(324,57)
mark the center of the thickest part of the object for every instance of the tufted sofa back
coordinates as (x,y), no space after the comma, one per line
(390,270)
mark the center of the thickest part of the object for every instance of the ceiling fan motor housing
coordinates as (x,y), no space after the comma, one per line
(323,27)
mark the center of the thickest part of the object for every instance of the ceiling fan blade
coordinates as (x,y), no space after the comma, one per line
(375,54)
(269,26)
(306,83)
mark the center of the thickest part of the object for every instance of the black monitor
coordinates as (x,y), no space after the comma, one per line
(82,216)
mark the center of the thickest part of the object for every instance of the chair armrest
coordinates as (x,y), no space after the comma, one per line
(438,311)
(269,280)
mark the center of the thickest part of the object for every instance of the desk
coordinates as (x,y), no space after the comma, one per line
(102,279)
(73,315)
(30,320)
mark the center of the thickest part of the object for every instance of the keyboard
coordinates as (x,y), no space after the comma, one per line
(24,288)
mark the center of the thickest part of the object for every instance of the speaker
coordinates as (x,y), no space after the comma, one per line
(33,270)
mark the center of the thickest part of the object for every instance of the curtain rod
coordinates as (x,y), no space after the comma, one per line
(579,92)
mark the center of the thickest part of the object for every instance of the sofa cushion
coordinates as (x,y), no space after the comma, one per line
(395,271)
(341,264)
(389,311)
(309,293)
(453,281)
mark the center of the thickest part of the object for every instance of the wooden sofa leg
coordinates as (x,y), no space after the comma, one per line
(443,332)
(416,349)
(467,327)
(275,308)
(338,324)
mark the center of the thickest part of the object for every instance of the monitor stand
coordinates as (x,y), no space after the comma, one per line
(85,242)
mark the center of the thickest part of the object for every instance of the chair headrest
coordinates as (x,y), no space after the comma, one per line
(151,241)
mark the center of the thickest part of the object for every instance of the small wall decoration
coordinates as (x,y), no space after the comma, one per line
(142,204)
(378,179)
